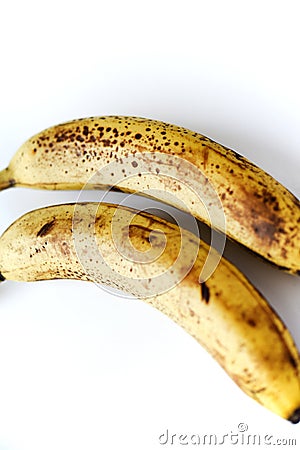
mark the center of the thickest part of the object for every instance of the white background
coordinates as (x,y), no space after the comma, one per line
(82,369)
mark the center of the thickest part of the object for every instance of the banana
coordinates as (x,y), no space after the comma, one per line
(161,263)
(155,158)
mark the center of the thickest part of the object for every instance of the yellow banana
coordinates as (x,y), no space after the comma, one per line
(261,214)
(161,263)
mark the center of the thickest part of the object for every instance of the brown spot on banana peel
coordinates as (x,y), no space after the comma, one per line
(46,228)
(293,361)
(265,230)
(205,293)
(260,211)
(205,152)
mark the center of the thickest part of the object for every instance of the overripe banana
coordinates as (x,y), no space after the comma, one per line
(260,213)
(140,254)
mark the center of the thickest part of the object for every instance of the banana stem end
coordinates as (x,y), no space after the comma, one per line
(6,180)
(2,278)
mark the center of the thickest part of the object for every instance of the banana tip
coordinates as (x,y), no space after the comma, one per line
(295,417)
(1,277)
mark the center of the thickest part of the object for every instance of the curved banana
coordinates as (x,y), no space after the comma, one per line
(140,254)
(260,213)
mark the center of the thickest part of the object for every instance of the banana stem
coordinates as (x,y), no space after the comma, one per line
(6,180)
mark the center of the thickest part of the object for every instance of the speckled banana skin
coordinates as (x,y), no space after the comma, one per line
(226,314)
(260,213)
